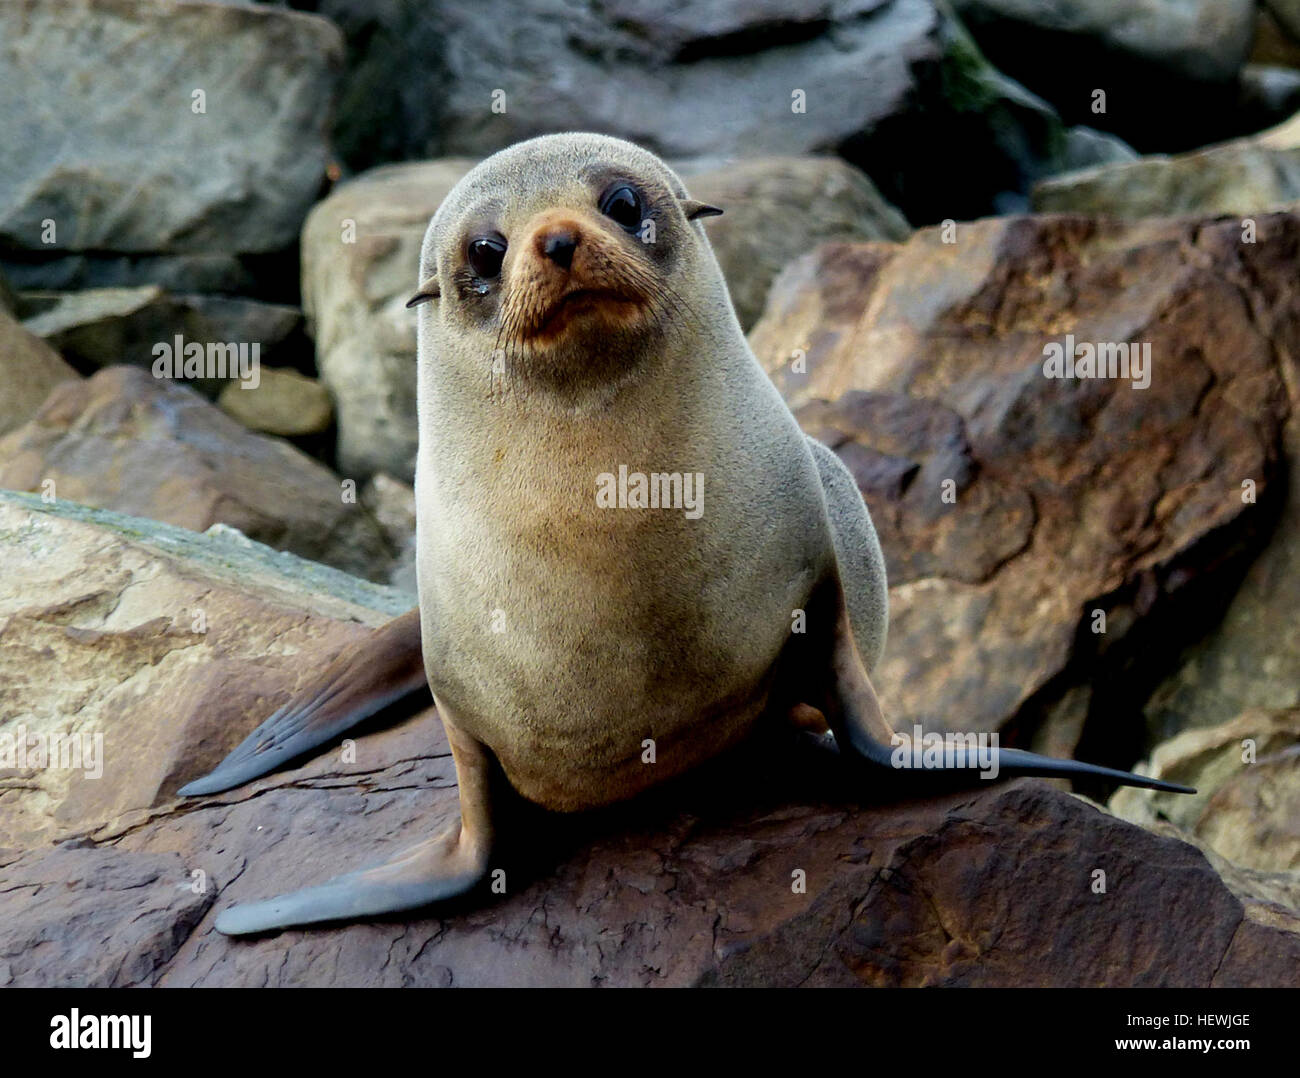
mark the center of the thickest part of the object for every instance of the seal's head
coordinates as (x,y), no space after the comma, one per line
(562,259)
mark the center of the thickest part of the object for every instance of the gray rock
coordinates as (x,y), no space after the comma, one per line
(360,259)
(175,273)
(777,208)
(1168,68)
(1204,39)
(115,155)
(104,327)
(1269,93)
(1244,176)
(877,77)
(1086,147)
(729,90)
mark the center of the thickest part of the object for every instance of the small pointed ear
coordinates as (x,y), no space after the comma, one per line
(429,289)
(694,209)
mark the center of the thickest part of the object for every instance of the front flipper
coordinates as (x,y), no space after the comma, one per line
(383,668)
(435,869)
(854,714)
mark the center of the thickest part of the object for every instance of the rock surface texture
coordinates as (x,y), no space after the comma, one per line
(236,148)
(29,370)
(691,885)
(125,441)
(1244,177)
(1052,543)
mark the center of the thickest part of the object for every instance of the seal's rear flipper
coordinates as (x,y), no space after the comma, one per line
(435,869)
(855,717)
(386,666)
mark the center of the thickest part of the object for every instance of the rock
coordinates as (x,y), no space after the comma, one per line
(392,504)
(46,892)
(1251,657)
(104,327)
(172,273)
(1073,506)
(156,638)
(990,111)
(780,207)
(125,441)
(1247,777)
(688,891)
(1203,39)
(1273,45)
(360,263)
(688,885)
(29,370)
(8,299)
(232,171)
(703,79)
(355,287)
(109,327)
(881,81)
(1287,14)
(283,402)
(1166,66)
(1241,177)
(1269,94)
(1086,146)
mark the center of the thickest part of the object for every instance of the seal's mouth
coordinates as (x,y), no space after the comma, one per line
(612,306)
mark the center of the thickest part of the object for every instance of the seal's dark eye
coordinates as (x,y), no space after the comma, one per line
(485,255)
(623,205)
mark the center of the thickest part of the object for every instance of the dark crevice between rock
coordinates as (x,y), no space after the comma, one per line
(777,33)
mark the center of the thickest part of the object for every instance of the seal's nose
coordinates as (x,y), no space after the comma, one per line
(558,244)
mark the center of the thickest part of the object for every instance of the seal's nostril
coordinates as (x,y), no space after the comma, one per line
(559,246)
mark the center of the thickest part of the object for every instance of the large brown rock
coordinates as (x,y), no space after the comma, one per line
(694,884)
(60,907)
(126,441)
(1069,499)
(29,370)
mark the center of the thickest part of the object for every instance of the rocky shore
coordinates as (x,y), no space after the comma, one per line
(927,206)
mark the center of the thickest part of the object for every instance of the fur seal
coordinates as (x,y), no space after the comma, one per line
(575,327)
